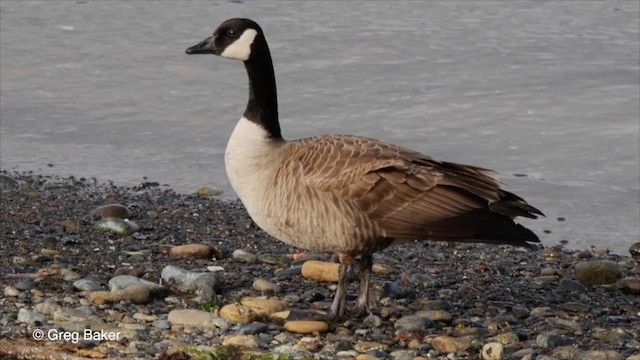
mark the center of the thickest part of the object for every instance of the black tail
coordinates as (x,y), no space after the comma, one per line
(483,226)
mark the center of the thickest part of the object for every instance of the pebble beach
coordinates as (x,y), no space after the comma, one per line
(93,270)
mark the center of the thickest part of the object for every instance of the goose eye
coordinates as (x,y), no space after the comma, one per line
(231,32)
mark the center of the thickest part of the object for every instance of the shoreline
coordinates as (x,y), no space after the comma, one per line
(531,303)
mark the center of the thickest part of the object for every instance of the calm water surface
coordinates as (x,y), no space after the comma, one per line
(546,93)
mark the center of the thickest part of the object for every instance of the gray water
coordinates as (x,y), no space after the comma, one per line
(547,89)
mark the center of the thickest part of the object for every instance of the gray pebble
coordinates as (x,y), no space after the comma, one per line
(403,355)
(87,285)
(30,317)
(244,256)
(292,351)
(117,226)
(272,259)
(412,323)
(24,285)
(162,324)
(372,321)
(253,328)
(124,281)
(572,286)
(550,339)
(393,291)
(189,281)
(289,273)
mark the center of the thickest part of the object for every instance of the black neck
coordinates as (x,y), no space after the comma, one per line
(262,107)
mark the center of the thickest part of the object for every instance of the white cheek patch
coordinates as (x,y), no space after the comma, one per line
(241,48)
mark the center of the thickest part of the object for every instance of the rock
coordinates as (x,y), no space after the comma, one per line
(135,272)
(520,354)
(248,309)
(24,285)
(87,285)
(111,211)
(634,250)
(633,357)
(435,315)
(207,191)
(162,324)
(393,291)
(273,259)
(630,286)
(575,307)
(136,294)
(124,281)
(187,281)
(597,272)
(568,352)
(29,317)
(47,307)
(542,311)
(69,275)
(572,286)
(10,291)
(265,286)
(253,328)
(194,318)
(145,317)
(195,251)
(492,351)
(550,339)
(366,346)
(306,326)
(346,354)
(311,344)
(412,323)
(244,256)
(292,352)
(615,335)
(564,324)
(238,313)
(403,355)
(117,226)
(505,338)
(8,184)
(380,270)
(282,315)
(263,306)
(448,344)
(372,321)
(602,355)
(243,341)
(321,271)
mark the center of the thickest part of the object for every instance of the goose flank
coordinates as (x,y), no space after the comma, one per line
(350,195)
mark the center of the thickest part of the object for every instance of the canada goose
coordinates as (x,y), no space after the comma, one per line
(350,195)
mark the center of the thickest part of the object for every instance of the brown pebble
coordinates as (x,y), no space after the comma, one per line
(136,294)
(178,213)
(321,271)
(306,326)
(630,286)
(112,210)
(68,224)
(196,251)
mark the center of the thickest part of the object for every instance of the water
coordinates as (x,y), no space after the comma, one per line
(546,89)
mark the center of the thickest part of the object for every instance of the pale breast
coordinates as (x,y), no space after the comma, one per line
(269,183)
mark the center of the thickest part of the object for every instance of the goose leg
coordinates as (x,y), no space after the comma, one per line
(338,306)
(365,264)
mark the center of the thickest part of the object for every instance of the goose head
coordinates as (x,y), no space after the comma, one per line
(234,39)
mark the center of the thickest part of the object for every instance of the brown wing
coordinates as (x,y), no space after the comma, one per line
(410,195)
